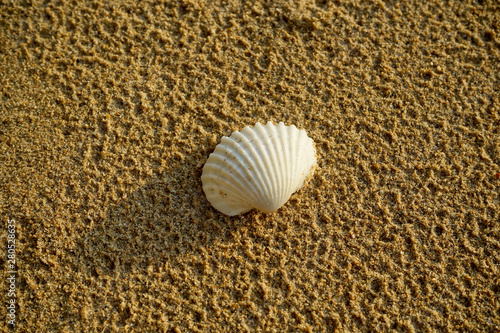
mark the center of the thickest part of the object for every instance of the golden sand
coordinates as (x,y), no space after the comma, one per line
(109,111)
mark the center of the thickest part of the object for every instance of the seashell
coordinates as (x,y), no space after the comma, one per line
(258,167)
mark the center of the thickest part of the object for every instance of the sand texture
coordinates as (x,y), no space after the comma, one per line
(108,111)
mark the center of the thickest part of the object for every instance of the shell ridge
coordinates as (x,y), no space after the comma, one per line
(229,204)
(260,157)
(224,186)
(286,162)
(213,168)
(243,174)
(270,163)
(290,159)
(279,145)
(258,163)
(236,177)
(282,144)
(301,167)
(294,142)
(253,166)
(215,193)
(226,182)
(305,166)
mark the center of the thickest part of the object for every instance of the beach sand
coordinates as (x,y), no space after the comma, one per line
(108,112)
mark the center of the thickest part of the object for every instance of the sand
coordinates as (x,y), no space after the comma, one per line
(108,112)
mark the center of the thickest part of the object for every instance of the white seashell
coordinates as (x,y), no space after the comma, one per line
(258,167)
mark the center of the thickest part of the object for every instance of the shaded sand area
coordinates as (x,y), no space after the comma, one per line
(109,111)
